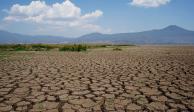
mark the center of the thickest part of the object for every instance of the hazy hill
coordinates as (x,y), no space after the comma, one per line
(169,35)
(7,37)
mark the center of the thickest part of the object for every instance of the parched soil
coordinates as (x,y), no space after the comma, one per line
(144,78)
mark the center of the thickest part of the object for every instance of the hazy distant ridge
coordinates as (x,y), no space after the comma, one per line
(169,35)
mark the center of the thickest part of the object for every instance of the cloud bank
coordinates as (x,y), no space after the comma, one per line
(65,14)
(149,3)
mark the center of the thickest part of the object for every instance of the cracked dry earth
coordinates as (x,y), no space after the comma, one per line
(145,78)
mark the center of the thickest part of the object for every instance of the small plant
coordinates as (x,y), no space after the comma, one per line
(74,48)
(19,47)
(117,49)
(42,47)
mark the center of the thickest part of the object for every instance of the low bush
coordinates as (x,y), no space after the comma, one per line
(14,47)
(74,48)
(20,47)
(94,46)
(117,49)
(27,47)
(42,47)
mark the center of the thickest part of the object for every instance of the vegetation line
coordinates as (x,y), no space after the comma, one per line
(57,47)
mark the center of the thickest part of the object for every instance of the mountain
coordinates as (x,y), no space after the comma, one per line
(170,35)
(13,38)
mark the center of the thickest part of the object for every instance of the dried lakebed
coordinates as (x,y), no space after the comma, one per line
(145,78)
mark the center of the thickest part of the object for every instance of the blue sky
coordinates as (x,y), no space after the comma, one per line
(73,18)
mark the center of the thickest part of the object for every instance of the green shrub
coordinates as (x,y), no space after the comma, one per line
(27,47)
(93,46)
(4,47)
(74,48)
(19,47)
(42,47)
(82,48)
(117,49)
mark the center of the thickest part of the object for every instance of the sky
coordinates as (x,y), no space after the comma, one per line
(73,18)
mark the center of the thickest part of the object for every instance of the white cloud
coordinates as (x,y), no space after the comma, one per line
(149,3)
(65,14)
(95,14)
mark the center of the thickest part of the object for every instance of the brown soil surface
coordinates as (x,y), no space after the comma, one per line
(144,78)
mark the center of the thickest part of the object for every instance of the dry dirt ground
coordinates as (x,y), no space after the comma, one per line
(144,78)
